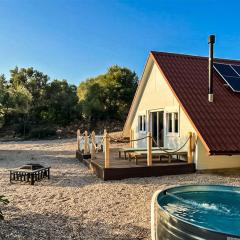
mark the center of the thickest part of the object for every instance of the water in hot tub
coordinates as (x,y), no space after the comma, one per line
(214,210)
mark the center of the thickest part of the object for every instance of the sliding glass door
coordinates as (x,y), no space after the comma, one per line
(157,130)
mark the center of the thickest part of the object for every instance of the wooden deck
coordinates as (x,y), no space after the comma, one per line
(121,168)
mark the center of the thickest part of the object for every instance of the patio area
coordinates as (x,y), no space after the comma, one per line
(74,203)
(121,168)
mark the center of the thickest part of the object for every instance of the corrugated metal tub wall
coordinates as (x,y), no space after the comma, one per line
(197,212)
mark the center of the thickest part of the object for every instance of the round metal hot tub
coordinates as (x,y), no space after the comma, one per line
(198,212)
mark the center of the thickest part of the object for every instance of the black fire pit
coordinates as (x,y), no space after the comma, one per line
(30,172)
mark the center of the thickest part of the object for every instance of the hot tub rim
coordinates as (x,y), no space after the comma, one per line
(189,223)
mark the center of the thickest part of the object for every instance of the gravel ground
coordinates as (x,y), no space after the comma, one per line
(74,204)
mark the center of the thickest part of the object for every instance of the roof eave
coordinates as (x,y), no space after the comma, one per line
(224,153)
(130,117)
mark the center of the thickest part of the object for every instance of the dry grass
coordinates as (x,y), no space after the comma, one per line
(74,204)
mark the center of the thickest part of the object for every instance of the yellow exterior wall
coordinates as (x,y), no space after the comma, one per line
(158,96)
(205,162)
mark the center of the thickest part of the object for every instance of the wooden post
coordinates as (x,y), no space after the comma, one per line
(106,149)
(190,150)
(132,138)
(130,143)
(78,139)
(104,133)
(93,150)
(85,142)
(149,149)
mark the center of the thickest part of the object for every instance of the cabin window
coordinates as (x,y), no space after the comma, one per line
(169,120)
(175,122)
(172,122)
(142,123)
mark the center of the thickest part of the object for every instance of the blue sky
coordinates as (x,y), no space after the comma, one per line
(76,39)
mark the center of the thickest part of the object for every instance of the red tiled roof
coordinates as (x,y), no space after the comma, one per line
(218,123)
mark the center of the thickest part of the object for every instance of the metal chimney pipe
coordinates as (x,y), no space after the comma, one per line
(211,41)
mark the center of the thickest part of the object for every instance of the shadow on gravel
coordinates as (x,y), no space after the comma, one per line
(39,142)
(9,158)
(66,170)
(41,226)
(61,227)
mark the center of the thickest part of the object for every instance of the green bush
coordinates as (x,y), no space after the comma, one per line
(22,128)
(3,200)
(42,132)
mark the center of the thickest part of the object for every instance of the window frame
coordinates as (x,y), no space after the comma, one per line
(173,127)
(174,124)
(142,123)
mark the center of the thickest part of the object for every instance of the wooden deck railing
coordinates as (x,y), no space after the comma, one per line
(106,141)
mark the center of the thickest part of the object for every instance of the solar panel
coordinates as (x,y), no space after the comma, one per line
(236,68)
(225,69)
(234,82)
(230,74)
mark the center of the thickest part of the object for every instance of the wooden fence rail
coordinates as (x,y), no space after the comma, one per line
(107,149)
(78,139)
(106,138)
(93,149)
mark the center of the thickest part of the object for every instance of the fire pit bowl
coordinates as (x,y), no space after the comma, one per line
(32,166)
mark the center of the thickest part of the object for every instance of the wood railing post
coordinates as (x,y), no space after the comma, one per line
(130,143)
(78,140)
(85,142)
(93,149)
(132,138)
(106,149)
(104,133)
(190,150)
(149,149)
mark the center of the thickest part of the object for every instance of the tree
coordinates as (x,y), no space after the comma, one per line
(21,98)
(92,101)
(36,83)
(3,91)
(108,95)
(62,102)
(18,77)
(30,101)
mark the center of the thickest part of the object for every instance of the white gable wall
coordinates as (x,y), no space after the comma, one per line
(158,96)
